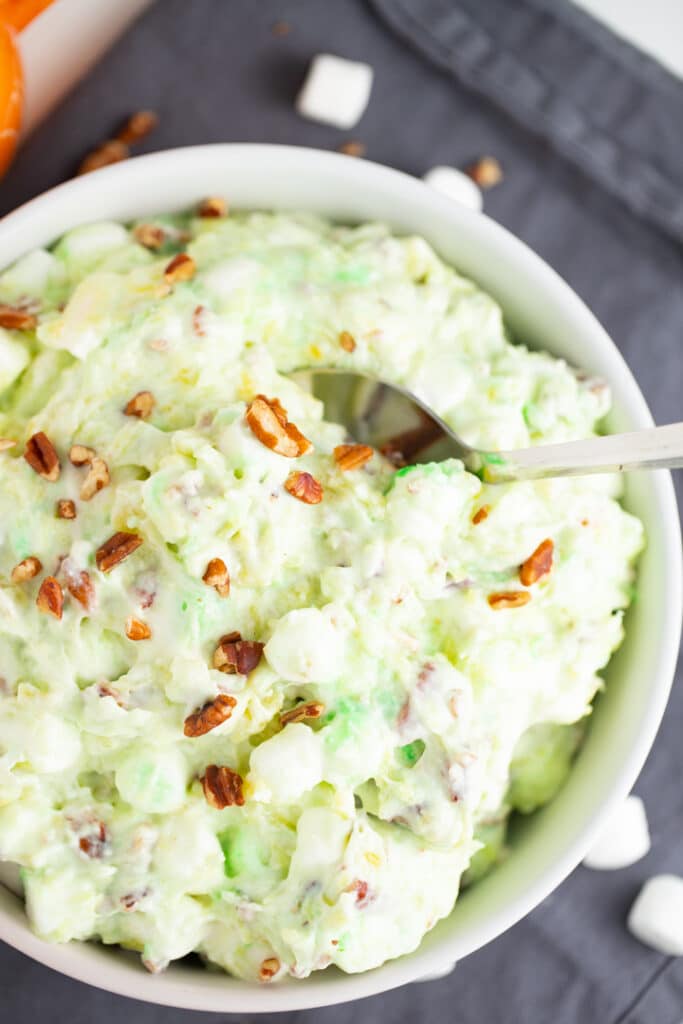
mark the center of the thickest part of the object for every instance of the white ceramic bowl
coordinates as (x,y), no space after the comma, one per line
(542,310)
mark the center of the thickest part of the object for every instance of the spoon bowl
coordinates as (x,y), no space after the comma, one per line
(404,429)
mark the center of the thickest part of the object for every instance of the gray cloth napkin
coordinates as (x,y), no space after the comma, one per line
(214,71)
(608,108)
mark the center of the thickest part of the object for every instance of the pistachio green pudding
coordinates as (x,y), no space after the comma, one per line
(263,695)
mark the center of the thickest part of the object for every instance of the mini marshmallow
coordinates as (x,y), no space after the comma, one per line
(624,839)
(656,917)
(336,91)
(455,185)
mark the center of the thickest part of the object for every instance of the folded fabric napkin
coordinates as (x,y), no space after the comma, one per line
(607,107)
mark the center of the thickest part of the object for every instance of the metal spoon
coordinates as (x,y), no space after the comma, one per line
(400,425)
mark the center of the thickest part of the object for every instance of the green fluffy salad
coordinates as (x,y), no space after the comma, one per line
(264,696)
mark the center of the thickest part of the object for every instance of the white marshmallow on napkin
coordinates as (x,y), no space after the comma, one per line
(336,91)
(656,917)
(624,839)
(451,182)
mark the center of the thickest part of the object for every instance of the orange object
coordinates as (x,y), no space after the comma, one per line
(11,96)
(18,13)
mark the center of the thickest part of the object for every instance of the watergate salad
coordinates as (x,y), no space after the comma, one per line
(264,695)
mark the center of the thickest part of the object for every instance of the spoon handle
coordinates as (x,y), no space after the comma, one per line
(656,448)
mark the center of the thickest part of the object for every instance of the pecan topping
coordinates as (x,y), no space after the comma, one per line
(268,421)
(105,690)
(222,787)
(352,456)
(81,588)
(181,268)
(6,443)
(269,968)
(235,656)
(50,597)
(217,576)
(65,509)
(211,715)
(353,148)
(198,324)
(214,206)
(116,549)
(361,889)
(15,318)
(95,843)
(96,479)
(151,236)
(509,599)
(41,456)
(137,127)
(140,405)
(538,564)
(136,629)
(110,152)
(304,487)
(347,341)
(309,709)
(486,171)
(481,514)
(26,570)
(131,900)
(79,455)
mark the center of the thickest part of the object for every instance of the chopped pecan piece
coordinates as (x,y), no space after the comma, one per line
(509,599)
(213,206)
(27,569)
(96,479)
(269,968)
(95,842)
(353,148)
(136,629)
(308,709)
(132,900)
(110,152)
(352,456)
(347,341)
(16,318)
(151,236)
(140,405)
(137,127)
(114,550)
(217,576)
(304,487)
(361,889)
(481,514)
(181,268)
(41,456)
(235,656)
(268,421)
(80,586)
(538,564)
(486,172)
(222,787)
(65,509)
(105,690)
(211,715)
(198,321)
(6,443)
(79,455)
(50,597)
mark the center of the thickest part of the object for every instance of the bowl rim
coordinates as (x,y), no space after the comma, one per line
(38,220)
